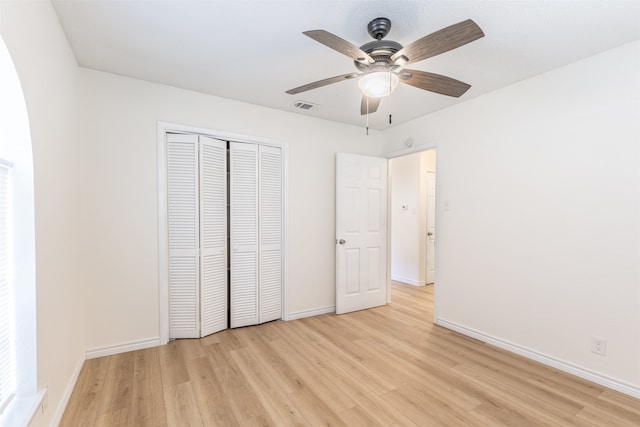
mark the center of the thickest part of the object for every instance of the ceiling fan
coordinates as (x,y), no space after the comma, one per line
(381,62)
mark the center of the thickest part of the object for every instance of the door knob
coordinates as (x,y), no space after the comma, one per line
(430,234)
(342,241)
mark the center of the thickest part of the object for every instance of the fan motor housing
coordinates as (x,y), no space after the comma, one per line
(381,52)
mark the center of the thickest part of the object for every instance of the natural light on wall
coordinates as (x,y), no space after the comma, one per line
(19,397)
(7,316)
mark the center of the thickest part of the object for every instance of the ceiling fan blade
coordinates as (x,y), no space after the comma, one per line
(372,107)
(434,82)
(340,45)
(321,83)
(439,42)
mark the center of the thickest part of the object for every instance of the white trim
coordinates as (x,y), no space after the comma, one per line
(412,150)
(163,237)
(164,127)
(407,281)
(67,393)
(579,371)
(285,232)
(436,254)
(314,312)
(14,414)
(389,228)
(92,353)
(163,245)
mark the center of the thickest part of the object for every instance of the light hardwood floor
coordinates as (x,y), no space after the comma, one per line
(385,366)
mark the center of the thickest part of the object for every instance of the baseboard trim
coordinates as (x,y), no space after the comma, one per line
(587,374)
(122,348)
(309,313)
(406,281)
(67,392)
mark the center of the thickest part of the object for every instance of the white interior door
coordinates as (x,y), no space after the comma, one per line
(183,239)
(270,233)
(361,232)
(244,234)
(431,226)
(256,234)
(213,235)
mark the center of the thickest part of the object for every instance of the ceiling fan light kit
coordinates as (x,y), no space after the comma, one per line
(378,83)
(380,61)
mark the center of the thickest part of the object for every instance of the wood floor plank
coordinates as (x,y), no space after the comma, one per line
(209,394)
(87,394)
(278,405)
(524,402)
(323,387)
(246,406)
(348,379)
(358,417)
(181,406)
(148,408)
(385,366)
(619,400)
(328,356)
(116,405)
(172,364)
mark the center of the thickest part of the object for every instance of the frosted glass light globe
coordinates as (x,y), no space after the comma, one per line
(378,83)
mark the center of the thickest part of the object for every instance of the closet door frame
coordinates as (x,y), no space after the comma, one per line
(162,129)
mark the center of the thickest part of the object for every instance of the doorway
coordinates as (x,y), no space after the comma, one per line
(412,217)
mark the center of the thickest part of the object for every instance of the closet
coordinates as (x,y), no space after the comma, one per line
(224,225)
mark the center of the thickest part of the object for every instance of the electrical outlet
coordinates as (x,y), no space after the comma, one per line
(599,346)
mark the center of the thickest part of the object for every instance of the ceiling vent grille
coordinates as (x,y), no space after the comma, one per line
(304,105)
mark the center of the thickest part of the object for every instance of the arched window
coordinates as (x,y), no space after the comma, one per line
(18,394)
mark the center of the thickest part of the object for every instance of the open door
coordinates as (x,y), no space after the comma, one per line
(431,227)
(361,232)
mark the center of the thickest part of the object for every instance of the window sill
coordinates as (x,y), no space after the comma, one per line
(21,410)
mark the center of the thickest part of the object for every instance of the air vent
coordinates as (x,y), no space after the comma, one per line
(304,105)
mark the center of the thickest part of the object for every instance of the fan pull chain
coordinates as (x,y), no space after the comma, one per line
(367,116)
(389,97)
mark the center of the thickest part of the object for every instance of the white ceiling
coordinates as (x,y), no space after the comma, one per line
(253,51)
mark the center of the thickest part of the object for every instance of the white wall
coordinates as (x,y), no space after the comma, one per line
(540,244)
(47,71)
(119,192)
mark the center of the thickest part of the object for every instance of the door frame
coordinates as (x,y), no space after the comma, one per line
(162,129)
(392,155)
(429,220)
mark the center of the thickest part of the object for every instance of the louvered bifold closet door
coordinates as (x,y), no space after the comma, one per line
(213,235)
(183,217)
(244,233)
(270,235)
